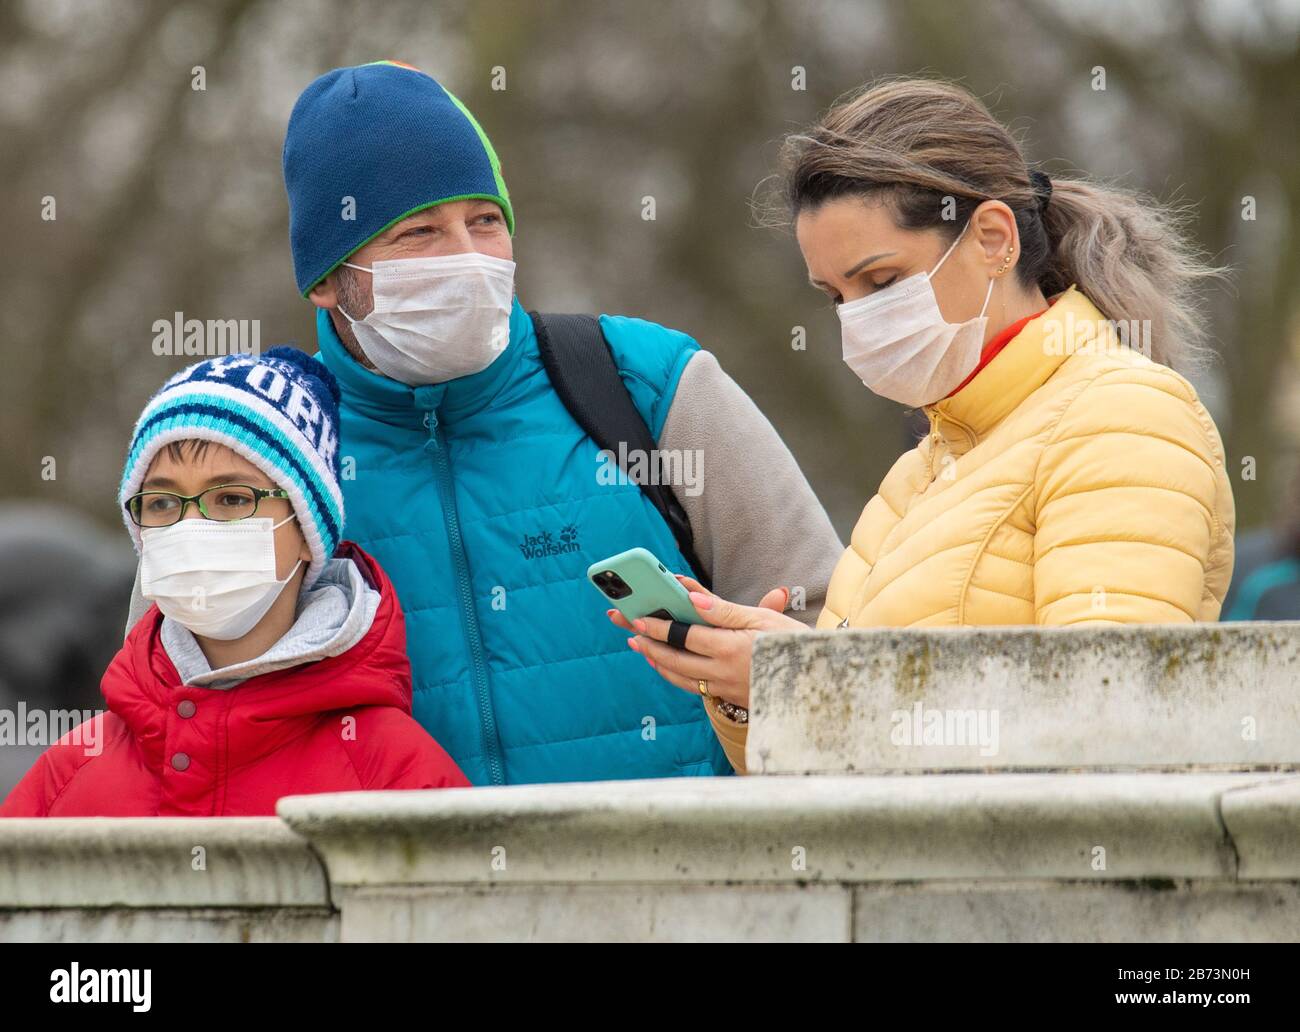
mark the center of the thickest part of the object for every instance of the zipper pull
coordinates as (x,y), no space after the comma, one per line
(935,438)
(431,424)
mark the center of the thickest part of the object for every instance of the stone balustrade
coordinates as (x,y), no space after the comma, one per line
(1135,783)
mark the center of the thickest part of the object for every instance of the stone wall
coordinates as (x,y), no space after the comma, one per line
(1143,786)
(1136,697)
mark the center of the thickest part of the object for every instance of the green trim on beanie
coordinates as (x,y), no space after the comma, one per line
(404,215)
(492,157)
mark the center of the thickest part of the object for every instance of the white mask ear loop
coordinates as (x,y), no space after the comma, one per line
(989,294)
(277,526)
(951,248)
(929,275)
(360,268)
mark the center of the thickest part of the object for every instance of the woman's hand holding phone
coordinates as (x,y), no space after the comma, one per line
(718,653)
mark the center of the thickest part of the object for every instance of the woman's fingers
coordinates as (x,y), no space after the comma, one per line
(619,620)
(691,584)
(700,638)
(721,613)
(686,670)
(687,664)
(776,600)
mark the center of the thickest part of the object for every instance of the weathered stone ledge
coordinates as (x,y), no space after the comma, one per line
(157,862)
(1222,696)
(993,856)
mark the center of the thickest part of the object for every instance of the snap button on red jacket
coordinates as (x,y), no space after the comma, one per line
(167,749)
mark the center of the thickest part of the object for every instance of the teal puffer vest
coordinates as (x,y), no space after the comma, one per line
(481,499)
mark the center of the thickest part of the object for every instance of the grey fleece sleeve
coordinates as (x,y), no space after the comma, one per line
(756,521)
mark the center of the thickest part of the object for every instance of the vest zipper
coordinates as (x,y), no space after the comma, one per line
(469,617)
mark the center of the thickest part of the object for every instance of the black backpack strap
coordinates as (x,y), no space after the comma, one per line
(582,370)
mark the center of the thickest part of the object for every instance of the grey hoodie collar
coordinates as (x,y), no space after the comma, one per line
(332,616)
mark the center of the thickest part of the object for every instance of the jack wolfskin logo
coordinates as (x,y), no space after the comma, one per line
(539,546)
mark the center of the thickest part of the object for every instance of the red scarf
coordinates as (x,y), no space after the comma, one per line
(993,347)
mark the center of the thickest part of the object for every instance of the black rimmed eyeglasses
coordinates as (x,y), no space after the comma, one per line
(223,503)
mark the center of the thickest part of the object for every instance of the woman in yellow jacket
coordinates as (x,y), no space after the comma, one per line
(1070,475)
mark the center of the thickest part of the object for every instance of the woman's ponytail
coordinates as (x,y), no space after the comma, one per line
(1133,259)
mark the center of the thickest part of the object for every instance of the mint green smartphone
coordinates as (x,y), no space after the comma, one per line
(637,584)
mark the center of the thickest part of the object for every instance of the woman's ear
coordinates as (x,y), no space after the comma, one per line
(994,227)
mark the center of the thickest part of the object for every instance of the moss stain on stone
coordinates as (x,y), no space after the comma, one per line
(915,666)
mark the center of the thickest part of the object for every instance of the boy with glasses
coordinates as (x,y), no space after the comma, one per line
(273,661)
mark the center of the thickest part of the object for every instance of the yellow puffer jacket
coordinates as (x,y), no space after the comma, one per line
(1071,481)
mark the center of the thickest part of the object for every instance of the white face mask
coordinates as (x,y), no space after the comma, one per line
(898,343)
(217,579)
(436,319)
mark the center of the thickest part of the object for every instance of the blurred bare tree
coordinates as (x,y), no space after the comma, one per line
(167,198)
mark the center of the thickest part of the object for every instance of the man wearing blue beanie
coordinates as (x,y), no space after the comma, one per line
(491,456)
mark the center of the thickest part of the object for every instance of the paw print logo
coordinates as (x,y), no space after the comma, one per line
(569,533)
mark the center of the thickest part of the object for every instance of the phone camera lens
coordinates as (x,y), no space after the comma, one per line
(611,584)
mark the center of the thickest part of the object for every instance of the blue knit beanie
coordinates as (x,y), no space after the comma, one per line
(279,410)
(392,139)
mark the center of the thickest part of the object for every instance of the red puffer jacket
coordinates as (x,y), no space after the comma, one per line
(172,750)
